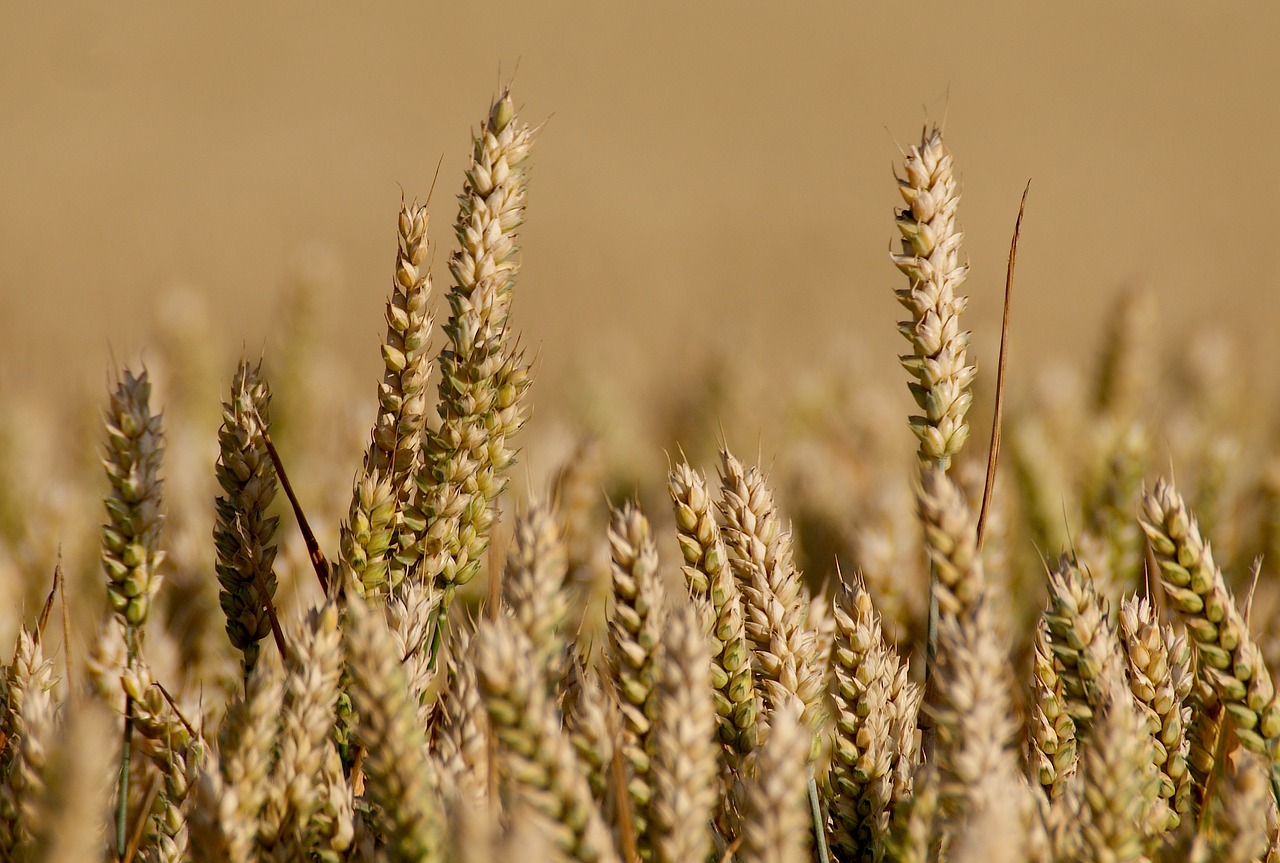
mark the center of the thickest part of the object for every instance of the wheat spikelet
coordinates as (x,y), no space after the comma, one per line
(684,760)
(398,776)
(243,531)
(708,573)
(1160,679)
(1082,639)
(1229,658)
(635,635)
(775,823)
(784,653)
(931,261)
(867,683)
(535,758)
(534,587)
(482,376)
(131,552)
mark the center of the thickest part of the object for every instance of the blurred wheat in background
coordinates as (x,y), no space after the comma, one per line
(850,654)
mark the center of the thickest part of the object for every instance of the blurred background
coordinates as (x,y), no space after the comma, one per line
(706,255)
(714,179)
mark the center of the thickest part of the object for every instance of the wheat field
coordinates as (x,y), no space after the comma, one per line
(270,635)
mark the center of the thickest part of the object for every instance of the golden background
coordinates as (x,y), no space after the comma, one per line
(712,178)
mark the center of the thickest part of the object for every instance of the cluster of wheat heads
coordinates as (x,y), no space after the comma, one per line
(718,707)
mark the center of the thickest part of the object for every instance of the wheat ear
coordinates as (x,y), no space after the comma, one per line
(72,813)
(972,709)
(1053,755)
(1121,782)
(867,685)
(483,377)
(247,744)
(930,259)
(1160,677)
(534,587)
(635,637)
(30,714)
(131,552)
(244,531)
(775,826)
(399,778)
(684,760)
(1229,658)
(535,757)
(395,450)
(307,717)
(1238,828)
(1082,639)
(708,573)
(784,651)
